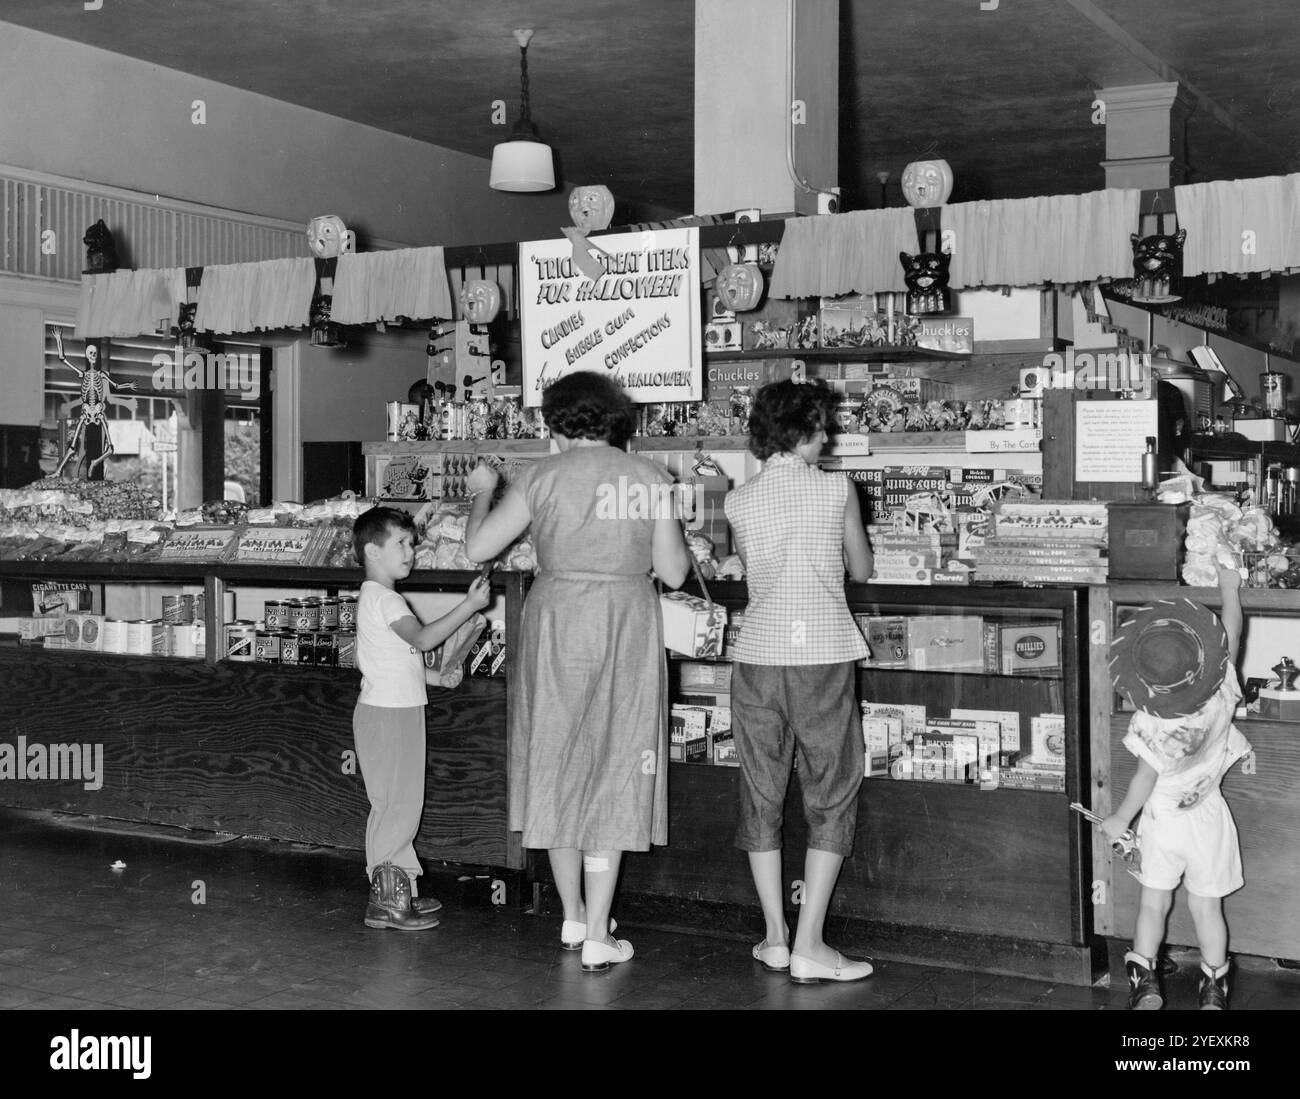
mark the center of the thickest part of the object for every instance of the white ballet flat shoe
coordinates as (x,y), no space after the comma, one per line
(805,971)
(775,959)
(598,957)
(574,933)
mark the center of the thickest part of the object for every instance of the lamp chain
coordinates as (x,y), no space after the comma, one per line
(523,85)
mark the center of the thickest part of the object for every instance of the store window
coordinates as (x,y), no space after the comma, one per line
(164,430)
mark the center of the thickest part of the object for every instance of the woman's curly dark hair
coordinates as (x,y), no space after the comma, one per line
(586,405)
(786,414)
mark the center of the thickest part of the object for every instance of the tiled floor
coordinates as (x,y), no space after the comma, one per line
(281,928)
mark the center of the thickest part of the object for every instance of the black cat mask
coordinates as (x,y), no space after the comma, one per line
(1157,263)
(926,275)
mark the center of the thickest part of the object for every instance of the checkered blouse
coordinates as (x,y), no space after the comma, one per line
(789,528)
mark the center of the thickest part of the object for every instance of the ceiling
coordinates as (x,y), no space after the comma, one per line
(1004,95)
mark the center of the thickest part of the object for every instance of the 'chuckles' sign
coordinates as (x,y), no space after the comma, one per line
(638,322)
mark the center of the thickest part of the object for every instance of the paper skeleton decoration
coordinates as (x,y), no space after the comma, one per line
(96,392)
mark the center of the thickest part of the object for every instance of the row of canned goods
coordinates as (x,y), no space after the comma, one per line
(306,615)
(183,609)
(151,637)
(326,648)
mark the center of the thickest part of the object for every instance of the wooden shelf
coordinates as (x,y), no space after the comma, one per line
(644,443)
(1239,448)
(249,575)
(460,446)
(841,354)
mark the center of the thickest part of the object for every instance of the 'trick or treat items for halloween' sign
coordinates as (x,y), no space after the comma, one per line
(638,322)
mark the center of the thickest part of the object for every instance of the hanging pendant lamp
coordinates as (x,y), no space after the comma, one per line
(523,163)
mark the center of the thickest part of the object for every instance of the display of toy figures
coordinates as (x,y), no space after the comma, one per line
(101,249)
(96,394)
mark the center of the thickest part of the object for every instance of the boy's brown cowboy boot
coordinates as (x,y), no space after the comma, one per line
(390,902)
(1213,988)
(1143,984)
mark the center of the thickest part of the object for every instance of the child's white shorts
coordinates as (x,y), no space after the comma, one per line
(1197,846)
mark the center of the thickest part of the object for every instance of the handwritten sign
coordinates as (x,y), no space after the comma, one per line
(638,323)
(199,544)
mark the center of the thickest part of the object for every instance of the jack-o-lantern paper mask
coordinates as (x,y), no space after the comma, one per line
(592,207)
(739,286)
(329,237)
(480,301)
(927,182)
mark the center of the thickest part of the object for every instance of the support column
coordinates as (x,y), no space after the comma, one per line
(744,112)
(1145,135)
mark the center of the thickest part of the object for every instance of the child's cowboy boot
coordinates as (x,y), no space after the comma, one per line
(390,902)
(1213,988)
(423,904)
(1143,984)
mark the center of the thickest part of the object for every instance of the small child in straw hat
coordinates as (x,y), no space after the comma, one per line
(1175,661)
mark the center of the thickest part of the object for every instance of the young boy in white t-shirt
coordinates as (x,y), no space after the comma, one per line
(388,723)
(1175,661)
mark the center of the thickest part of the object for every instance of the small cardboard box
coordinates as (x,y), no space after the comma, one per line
(1146,540)
(698,676)
(1279,705)
(1031,648)
(691,626)
(1262,430)
(945,642)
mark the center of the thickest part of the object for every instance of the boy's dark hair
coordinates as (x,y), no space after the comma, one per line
(786,414)
(373,526)
(586,405)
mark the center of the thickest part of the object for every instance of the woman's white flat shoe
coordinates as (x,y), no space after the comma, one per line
(776,959)
(598,957)
(805,971)
(574,933)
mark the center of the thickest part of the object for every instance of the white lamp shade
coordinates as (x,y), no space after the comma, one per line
(522,166)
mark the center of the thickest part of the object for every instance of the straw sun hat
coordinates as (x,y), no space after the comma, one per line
(1169,657)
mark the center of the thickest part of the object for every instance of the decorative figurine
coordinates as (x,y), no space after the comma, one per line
(101,249)
(1157,266)
(1286,671)
(96,391)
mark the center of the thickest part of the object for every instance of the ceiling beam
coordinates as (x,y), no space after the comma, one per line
(1166,72)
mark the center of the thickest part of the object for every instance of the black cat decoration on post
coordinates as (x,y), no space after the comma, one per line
(926,275)
(1157,266)
(101,249)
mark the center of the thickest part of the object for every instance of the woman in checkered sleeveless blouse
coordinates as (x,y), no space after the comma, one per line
(792,687)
